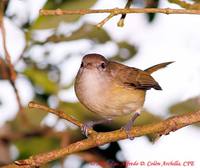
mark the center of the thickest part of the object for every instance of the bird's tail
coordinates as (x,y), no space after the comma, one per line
(157,67)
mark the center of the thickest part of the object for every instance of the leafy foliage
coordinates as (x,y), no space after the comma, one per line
(186,106)
(44,22)
(34,145)
(40,78)
(86,31)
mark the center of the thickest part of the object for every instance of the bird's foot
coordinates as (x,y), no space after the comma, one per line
(89,125)
(127,129)
(86,126)
(129,125)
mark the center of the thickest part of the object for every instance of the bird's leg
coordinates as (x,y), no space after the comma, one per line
(90,124)
(130,123)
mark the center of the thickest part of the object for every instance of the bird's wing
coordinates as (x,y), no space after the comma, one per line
(138,79)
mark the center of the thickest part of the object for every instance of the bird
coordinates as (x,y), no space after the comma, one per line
(111,89)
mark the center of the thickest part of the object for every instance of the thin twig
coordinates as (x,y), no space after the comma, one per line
(117,11)
(105,20)
(3,69)
(3,32)
(163,127)
(185,4)
(12,74)
(121,21)
(59,113)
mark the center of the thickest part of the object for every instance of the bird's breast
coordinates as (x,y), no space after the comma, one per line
(102,95)
(91,89)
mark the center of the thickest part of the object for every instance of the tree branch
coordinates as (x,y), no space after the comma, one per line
(117,11)
(160,128)
(12,74)
(7,55)
(60,114)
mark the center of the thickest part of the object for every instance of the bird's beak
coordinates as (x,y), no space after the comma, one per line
(89,66)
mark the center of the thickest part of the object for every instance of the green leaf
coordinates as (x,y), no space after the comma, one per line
(40,78)
(34,118)
(77,111)
(46,22)
(190,105)
(126,51)
(35,145)
(87,31)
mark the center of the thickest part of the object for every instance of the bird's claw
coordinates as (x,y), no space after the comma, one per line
(86,126)
(127,129)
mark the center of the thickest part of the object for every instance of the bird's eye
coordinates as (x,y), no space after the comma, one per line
(82,65)
(103,65)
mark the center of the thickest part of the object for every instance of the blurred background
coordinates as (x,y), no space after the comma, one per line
(46,52)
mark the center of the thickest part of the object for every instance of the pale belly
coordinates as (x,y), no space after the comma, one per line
(117,103)
(109,99)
